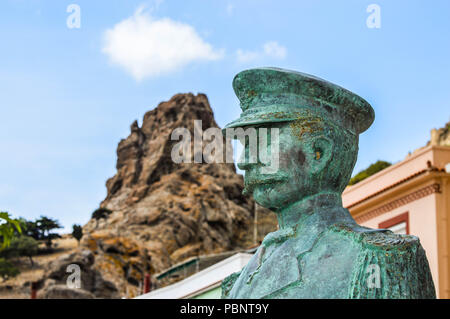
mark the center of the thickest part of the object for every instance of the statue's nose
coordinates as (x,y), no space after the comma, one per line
(243,165)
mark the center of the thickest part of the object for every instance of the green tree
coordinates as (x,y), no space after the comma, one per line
(77,232)
(8,228)
(45,225)
(21,246)
(31,229)
(371,170)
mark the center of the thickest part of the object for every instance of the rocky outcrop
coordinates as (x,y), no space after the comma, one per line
(438,137)
(441,136)
(54,283)
(55,291)
(163,212)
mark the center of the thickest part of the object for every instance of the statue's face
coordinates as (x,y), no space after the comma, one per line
(298,159)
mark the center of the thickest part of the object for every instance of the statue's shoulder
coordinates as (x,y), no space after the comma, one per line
(377,239)
(388,265)
(228,283)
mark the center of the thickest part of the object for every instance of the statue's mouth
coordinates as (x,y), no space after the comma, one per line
(251,183)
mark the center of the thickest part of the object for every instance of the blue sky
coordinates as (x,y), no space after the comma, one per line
(68,95)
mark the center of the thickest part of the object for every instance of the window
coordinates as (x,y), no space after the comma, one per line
(399,224)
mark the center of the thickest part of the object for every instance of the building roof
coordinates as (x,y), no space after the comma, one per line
(411,167)
(203,280)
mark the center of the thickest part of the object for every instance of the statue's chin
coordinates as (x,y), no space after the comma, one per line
(266,196)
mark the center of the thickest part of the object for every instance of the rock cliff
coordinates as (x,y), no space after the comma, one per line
(441,136)
(159,213)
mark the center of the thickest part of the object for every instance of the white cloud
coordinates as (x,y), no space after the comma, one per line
(247,56)
(270,49)
(230,8)
(148,47)
(274,50)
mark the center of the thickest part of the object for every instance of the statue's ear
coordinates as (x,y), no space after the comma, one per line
(323,150)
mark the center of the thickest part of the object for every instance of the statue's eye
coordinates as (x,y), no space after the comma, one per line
(301,157)
(318,153)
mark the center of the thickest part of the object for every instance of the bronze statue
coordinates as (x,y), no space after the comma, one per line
(319,251)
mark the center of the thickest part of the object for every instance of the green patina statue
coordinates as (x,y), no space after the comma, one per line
(319,251)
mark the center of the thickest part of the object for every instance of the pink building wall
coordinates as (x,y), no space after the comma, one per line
(437,155)
(422,190)
(422,223)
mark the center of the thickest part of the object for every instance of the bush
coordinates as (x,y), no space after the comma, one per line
(77,232)
(7,269)
(371,170)
(21,246)
(101,213)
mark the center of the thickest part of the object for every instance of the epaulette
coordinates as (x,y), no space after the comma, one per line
(398,261)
